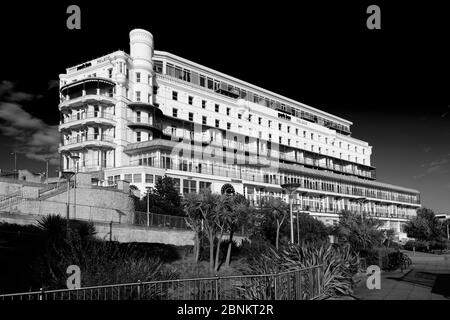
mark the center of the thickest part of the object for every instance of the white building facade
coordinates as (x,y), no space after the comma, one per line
(149,113)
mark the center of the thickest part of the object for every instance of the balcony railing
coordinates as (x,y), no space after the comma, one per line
(88,115)
(144,122)
(88,138)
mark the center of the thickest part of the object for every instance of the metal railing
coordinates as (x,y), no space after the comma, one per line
(301,284)
(88,115)
(159,220)
(153,220)
(89,137)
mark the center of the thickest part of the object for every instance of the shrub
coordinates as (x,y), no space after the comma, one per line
(339,264)
(101,263)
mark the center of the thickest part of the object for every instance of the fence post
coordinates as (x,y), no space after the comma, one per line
(217,287)
(139,289)
(41,295)
(275,287)
(319,282)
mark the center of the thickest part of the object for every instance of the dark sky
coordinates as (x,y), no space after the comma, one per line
(391,83)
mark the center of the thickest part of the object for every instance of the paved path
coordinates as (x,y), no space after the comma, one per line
(428,278)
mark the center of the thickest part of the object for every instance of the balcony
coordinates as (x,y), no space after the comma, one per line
(334,167)
(90,140)
(140,123)
(87,118)
(95,98)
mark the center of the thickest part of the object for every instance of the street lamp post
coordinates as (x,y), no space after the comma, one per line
(75,159)
(67,175)
(148,206)
(298,223)
(291,188)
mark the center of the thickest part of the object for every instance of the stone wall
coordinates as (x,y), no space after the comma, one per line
(120,232)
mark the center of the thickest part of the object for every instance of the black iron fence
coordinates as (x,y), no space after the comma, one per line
(154,220)
(159,220)
(302,284)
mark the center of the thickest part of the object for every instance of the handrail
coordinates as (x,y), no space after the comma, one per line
(40,294)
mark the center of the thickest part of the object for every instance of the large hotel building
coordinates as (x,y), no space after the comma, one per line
(141,115)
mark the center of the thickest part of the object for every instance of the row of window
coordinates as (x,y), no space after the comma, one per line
(236,92)
(189,186)
(216,167)
(281,126)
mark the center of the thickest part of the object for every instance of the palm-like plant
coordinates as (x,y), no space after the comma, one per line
(279,210)
(54,227)
(361,233)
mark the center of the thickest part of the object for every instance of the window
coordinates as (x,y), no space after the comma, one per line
(128,177)
(279,140)
(116,178)
(204,120)
(175,113)
(205,185)
(191,116)
(270,136)
(110,180)
(189,186)
(288,129)
(289,142)
(175,95)
(304,134)
(138,116)
(190,100)
(249,117)
(279,126)
(202,81)
(138,96)
(217,123)
(269,123)
(228,126)
(239,116)
(149,79)
(312,136)
(110,70)
(259,120)
(176,183)
(137,177)
(228,111)
(296,131)
(138,136)
(148,178)
(138,77)
(216,108)
(155,90)
(203,104)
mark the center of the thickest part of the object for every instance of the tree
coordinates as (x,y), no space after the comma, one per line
(193,219)
(204,207)
(222,215)
(275,212)
(240,211)
(164,198)
(311,230)
(424,226)
(360,232)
